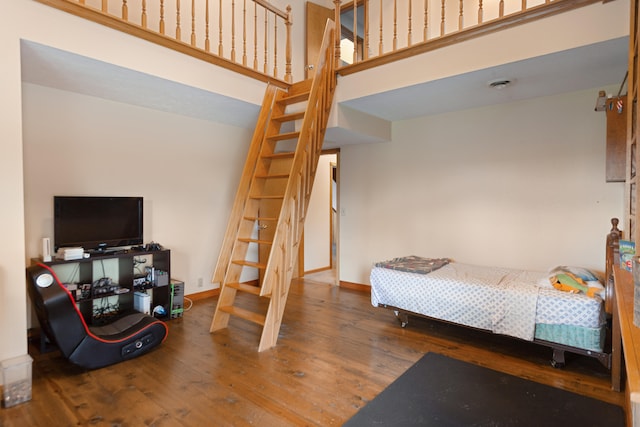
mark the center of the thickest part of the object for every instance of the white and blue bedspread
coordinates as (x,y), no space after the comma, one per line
(501,300)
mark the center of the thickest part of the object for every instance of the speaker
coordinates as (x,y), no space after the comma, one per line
(46,249)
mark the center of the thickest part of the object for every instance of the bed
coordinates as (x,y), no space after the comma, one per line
(518,303)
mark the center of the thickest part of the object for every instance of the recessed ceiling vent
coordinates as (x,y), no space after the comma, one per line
(499,83)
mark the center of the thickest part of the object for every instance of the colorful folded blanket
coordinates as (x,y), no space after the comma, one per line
(414,264)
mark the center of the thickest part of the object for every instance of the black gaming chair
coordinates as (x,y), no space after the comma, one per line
(89,347)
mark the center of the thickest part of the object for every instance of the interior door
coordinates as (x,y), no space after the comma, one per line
(316,20)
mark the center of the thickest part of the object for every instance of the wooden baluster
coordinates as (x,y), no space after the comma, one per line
(81,1)
(266,41)
(161,17)
(524,5)
(207,44)
(244,33)
(287,70)
(480,12)
(501,9)
(255,36)
(355,31)
(338,31)
(233,30)
(395,25)
(365,50)
(105,6)
(144,14)
(125,11)
(275,45)
(409,24)
(380,43)
(178,35)
(426,21)
(442,20)
(461,16)
(193,22)
(220,49)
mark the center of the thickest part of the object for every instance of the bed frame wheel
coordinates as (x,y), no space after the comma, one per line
(558,358)
(402,317)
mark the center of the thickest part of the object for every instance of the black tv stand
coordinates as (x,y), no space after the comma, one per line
(125,269)
(106,251)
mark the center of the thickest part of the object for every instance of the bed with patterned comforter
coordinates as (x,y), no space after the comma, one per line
(517,303)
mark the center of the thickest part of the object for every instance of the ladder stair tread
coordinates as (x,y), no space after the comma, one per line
(244,314)
(273,176)
(260,218)
(294,98)
(260,242)
(249,263)
(244,287)
(303,86)
(289,117)
(281,155)
(269,197)
(284,136)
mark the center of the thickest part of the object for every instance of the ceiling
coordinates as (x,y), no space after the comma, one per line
(594,66)
(588,67)
(59,69)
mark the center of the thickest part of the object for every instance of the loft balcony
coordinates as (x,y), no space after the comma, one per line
(405,59)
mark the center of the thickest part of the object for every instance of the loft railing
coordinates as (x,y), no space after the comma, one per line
(389,30)
(253,37)
(249,36)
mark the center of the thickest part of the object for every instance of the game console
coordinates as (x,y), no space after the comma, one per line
(70,254)
(46,249)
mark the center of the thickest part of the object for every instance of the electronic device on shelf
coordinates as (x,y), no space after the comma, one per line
(153,246)
(97,224)
(103,287)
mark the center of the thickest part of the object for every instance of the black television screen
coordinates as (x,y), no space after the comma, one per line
(96,223)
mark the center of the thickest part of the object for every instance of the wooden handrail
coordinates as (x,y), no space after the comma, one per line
(151,21)
(279,270)
(272,8)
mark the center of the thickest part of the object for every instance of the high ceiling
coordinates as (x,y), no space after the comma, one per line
(589,67)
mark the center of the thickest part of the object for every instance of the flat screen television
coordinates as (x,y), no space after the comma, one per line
(97,223)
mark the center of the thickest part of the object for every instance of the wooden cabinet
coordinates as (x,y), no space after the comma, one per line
(103,285)
(631,106)
(616,139)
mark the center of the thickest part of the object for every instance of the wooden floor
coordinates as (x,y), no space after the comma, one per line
(335,353)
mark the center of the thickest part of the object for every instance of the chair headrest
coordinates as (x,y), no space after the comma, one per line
(44,280)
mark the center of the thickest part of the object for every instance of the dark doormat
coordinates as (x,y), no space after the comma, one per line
(440,391)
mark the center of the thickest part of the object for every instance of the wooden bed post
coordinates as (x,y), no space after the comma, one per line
(612,254)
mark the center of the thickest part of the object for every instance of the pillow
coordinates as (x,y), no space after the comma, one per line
(590,279)
(583,273)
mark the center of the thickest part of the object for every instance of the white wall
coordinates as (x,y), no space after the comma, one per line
(517,185)
(13,304)
(36,22)
(186,169)
(30,20)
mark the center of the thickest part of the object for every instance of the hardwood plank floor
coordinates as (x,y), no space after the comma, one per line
(335,353)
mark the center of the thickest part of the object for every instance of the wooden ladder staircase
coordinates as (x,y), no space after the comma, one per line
(266,223)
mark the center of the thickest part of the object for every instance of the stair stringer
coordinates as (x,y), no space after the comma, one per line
(284,251)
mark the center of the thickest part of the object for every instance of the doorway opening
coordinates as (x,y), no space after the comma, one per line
(318,256)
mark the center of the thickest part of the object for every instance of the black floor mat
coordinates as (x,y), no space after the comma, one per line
(440,391)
